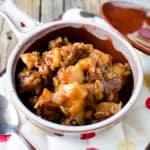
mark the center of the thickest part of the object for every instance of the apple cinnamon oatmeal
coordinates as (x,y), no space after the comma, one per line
(72,83)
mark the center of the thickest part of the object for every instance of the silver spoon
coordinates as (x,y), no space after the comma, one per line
(9,121)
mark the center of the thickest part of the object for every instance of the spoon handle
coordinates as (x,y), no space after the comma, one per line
(26,142)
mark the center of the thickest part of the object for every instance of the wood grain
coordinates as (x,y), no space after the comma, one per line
(51,9)
(92,6)
(7,42)
(31,7)
(73,4)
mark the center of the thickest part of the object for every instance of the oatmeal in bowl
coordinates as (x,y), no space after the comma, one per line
(73,83)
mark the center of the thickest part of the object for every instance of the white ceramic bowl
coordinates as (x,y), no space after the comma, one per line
(86,32)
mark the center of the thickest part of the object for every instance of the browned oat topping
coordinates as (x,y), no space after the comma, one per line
(72,83)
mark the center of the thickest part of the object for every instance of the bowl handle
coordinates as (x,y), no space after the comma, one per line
(19,22)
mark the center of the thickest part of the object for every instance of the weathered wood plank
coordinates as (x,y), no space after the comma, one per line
(31,7)
(51,9)
(73,4)
(7,42)
(92,5)
(1,51)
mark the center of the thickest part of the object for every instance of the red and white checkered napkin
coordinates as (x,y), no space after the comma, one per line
(133,133)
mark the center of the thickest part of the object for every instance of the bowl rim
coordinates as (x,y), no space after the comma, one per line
(38,121)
